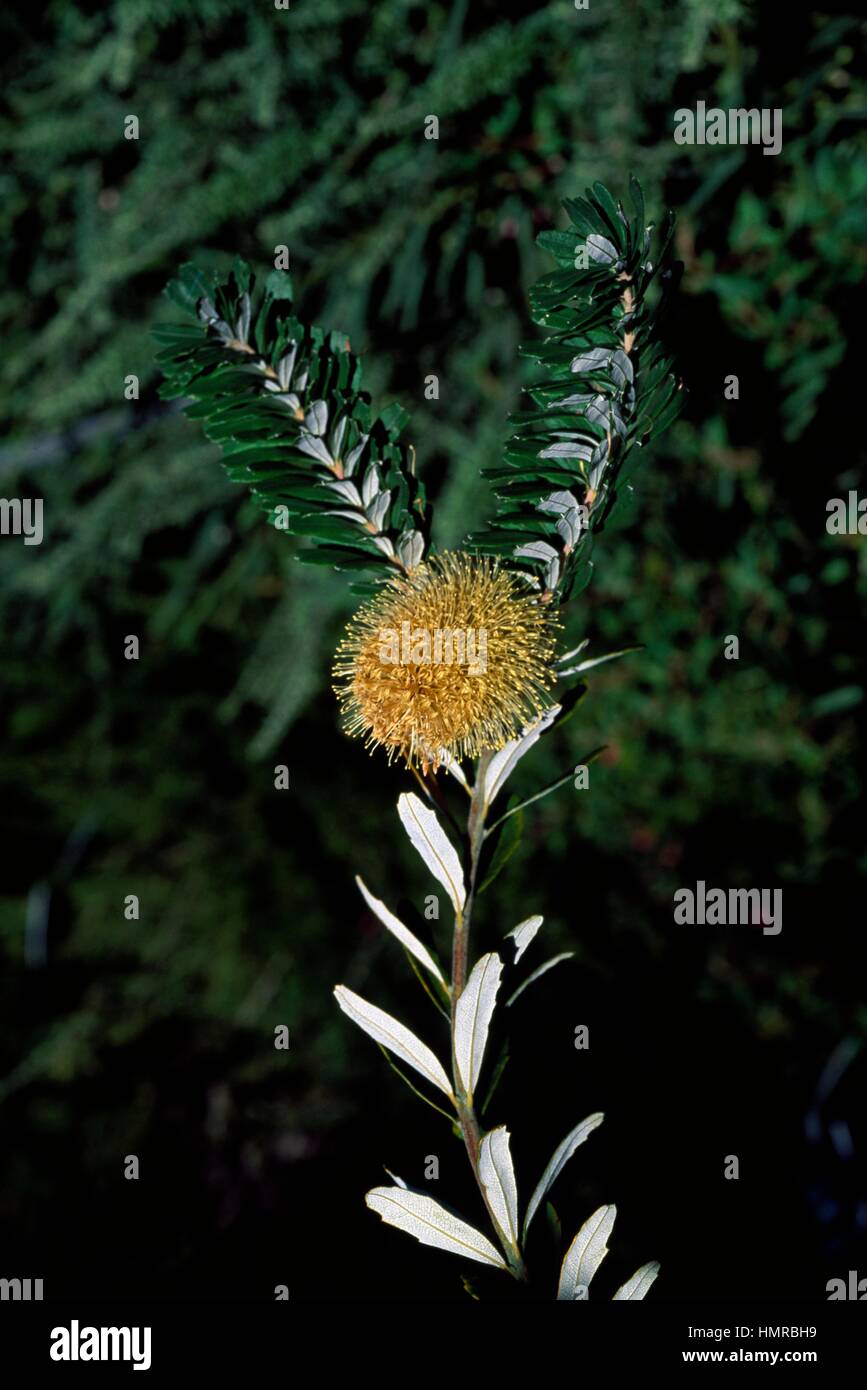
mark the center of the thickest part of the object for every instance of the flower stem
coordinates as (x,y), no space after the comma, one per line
(470,1127)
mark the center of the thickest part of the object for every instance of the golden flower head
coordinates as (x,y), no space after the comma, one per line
(452,658)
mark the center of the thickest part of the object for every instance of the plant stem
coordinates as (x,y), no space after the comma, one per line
(470,1127)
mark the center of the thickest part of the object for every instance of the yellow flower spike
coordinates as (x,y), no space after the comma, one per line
(454,657)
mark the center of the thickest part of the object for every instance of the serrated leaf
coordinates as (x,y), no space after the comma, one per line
(497,1176)
(403,934)
(394,1036)
(638,1286)
(432,1224)
(473,1013)
(431,842)
(558,1161)
(585,1254)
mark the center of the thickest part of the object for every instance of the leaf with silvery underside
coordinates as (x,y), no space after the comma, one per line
(558,1161)
(596,381)
(637,1287)
(497,1176)
(585,1254)
(473,1013)
(503,763)
(432,1224)
(552,786)
(403,934)
(600,249)
(591,360)
(254,375)
(574,651)
(567,450)
(523,934)
(537,974)
(431,842)
(596,661)
(536,550)
(394,1036)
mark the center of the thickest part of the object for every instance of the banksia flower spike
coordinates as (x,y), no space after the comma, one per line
(451,658)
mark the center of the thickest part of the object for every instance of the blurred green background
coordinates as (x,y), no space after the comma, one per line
(261,127)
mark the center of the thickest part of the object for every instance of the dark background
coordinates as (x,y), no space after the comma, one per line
(261,127)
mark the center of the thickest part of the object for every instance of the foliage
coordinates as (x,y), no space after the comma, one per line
(293,422)
(605,343)
(257,131)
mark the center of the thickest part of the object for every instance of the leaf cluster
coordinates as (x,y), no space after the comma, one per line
(606,387)
(284,401)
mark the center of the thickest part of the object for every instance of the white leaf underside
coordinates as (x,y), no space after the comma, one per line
(589,664)
(394,1036)
(504,762)
(431,842)
(497,1174)
(432,1224)
(558,1161)
(523,934)
(473,1013)
(636,1288)
(585,1254)
(397,929)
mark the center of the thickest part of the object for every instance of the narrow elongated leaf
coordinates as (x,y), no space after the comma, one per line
(637,1287)
(434,846)
(523,934)
(585,1254)
(393,1036)
(473,1013)
(542,970)
(558,1161)
(595,661)
(430,1223)
(403,934)
(504,762)
(497,1174)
